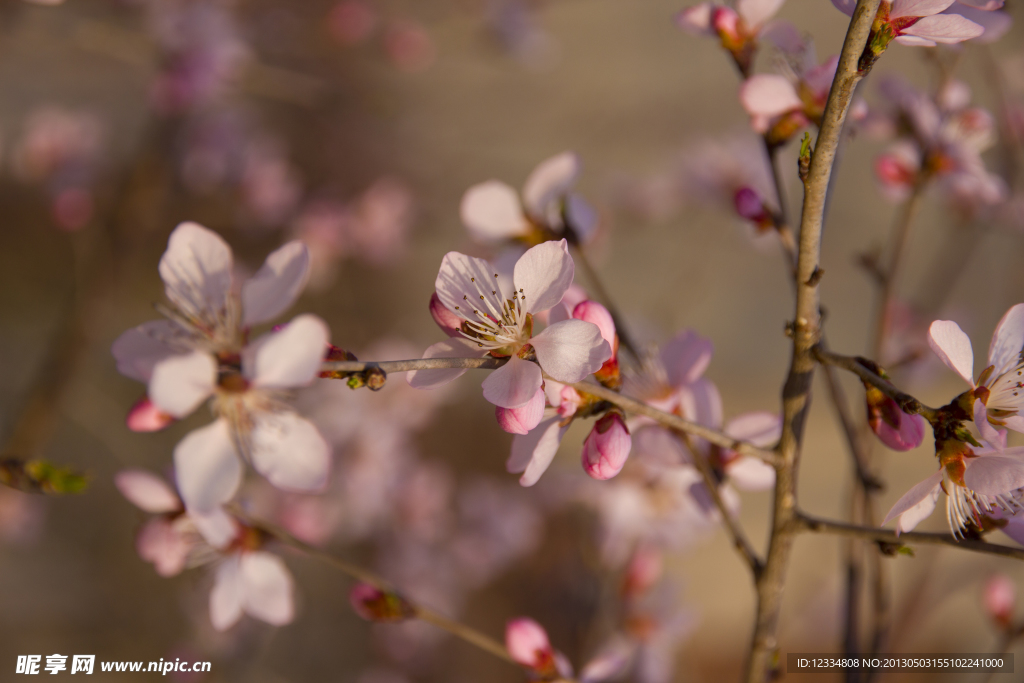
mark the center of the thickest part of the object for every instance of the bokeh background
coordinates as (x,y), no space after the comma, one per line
(267,120)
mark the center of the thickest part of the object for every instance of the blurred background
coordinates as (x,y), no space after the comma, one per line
(357,126)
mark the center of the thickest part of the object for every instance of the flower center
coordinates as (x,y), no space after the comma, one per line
(494,321)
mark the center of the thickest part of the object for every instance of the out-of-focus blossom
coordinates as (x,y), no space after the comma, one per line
(995,23)
(914,22)
(1000,599)
(409,46)
(998,395)
(200,351)
(351,22)
(252,582)
(502,325)
(493,211)
(779,106)
(514,24)
(21,516)
(527,643)
(374,604)
(270,183)
(737,25)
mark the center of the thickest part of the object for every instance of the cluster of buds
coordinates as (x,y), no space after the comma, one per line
(737,27)
(373,378)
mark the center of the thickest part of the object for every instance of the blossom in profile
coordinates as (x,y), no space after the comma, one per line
(498,320)
(780,105)
(202,351)
(737,25)
(528,645)
(547,208)
(915,22)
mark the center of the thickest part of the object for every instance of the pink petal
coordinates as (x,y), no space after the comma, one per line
(943,28)
(756,12)
(1014,529)
(524,418)
(696,19)
(146,417)
(277,284)
(610,662)
(147,491)
(914,496)
(290,452)
(139,349)
(206,467)
(571,350)
(845,6)
(228,595)
(544,274)
(267,588)
(760,428)
(685,357)
(593,312)
(532,454)
(217,527)
(917,8)
(196,269)
(750,474)
(582,216)
(1007,341)
(819,79)
(449,348)
(528,643)
(1000,598)
(492,212)
(160,543)
(987,5)
(914,41)
(996,24)
(769,95)
(953,347)
(462,281)
(289,357)
(992,475)
(548,183)
(988,433)
(918,513)
(701,403)
(513,384)
(907,437)
(659,447)
(180,383)
(449,323)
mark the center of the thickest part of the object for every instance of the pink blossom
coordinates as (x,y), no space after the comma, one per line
(351,21)
(917,22)
(1000,598)
(606,447)
(252,582)
(146,417)
(779,106)
(503,326)
(737,25)
(528,645)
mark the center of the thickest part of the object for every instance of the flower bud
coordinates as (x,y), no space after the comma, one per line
(726,23)
(750,206)
(146,417)
(527,643)
(606,447)
(374,604)
(999,597)
(896,429)
(524,418)
(449,323)
(569,401)
(593,312)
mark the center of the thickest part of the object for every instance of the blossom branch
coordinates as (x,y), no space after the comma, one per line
(906,402)
(457,629)
(628,404)
(806,334)
(889,537)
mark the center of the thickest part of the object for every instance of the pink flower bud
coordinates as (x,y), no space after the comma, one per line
(524,418)
(644,570)
(999,597)
(146,417)
(374,604)
(607,447)
(445,319)
(593,312)
(528,645)
(750,206)
(569,401)
(896,429)
(726,22)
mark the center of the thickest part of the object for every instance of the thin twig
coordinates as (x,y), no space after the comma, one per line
(457,629)
(806,331)
(906,402)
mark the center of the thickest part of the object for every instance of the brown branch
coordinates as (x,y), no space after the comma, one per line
(906,402)
(806,334)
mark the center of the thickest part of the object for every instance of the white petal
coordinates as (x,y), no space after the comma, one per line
(140,348)
(457,347)
(953,347)
(533,452)
(944,28)
(914,496)
(227,596)
(462,280)
(216,526)
(276,286)
(267,588)
(290,357)
(917,8)
(751,474)
(756,12)
(196,269)
(992,475)
(513,384)
(769,95)
(549,182)
(492,212)
(759,428)
(290,452)
(918,513)
(180,383)
(544,273)
(571,350)
(207,468)
(147,491)
(1007,341)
